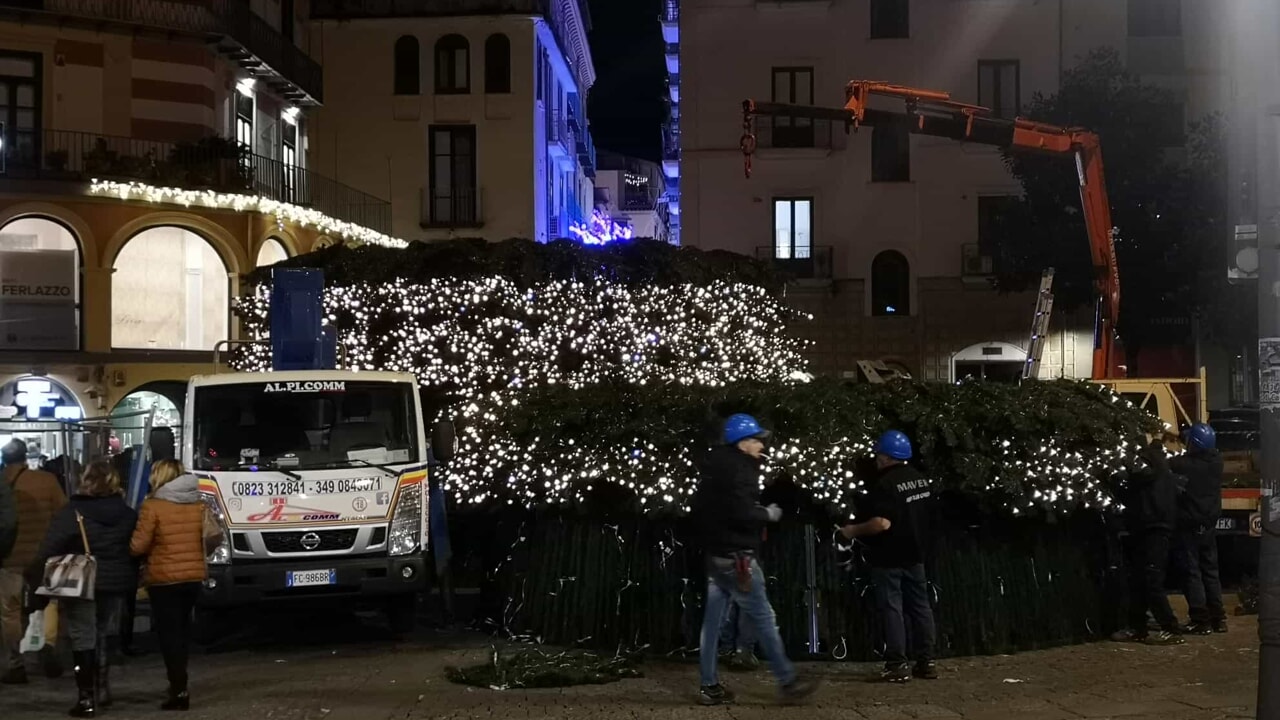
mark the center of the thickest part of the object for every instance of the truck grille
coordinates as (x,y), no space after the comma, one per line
(292,542)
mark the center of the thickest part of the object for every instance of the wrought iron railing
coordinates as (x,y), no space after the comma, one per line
(558,131)
(231,19)
(451,208)
(671,11)
(212,163)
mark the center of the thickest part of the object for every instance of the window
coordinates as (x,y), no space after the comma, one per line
(169,291)
(39,253)
(890,19)
(497,64)
(890,153)
(1155,18)
(453,65)
(890,284)
(453,200)
(794,86)
(994,211)
(244,119)
(20,106)
(999,87)
(792,228)
(271,252)
(406,75)
(289,157)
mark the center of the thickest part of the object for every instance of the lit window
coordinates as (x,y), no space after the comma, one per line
(40,252)
(792,228)
(271,252)
(169,291)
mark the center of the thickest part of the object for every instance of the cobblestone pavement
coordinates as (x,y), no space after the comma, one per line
(331,669)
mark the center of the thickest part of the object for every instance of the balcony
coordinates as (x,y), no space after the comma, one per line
(638,201)
(673,86)
(559,135)
(975,266)
(816,265)
(799,134)
(356,9)
(673,59)
(448,209)
(586,153)
(235,30)
(212,163)
(671,21)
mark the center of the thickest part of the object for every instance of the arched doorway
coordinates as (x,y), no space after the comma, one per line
(271,252)
(40,260)
(41,411)
(166,398)
(992,362)
(169,291)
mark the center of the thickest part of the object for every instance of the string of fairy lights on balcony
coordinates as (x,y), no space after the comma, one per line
(282,212)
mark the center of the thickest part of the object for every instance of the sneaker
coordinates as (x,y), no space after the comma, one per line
(743,661)
(1219,626)
(1128,636)
(1197,629)
(798,690)
(926,670)
(1164,637)
(15,676)
(896,674)
(714,695)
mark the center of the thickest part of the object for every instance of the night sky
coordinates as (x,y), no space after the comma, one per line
(627,104)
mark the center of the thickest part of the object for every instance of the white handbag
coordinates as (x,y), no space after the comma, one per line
(71,576)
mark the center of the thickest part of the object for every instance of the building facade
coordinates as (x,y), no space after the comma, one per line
(144,145)
(469,115)
(887,231)
(633,193)
(671,133)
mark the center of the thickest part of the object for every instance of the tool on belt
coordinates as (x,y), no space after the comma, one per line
(742,568)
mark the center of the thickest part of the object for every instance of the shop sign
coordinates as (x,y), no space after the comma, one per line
(38,300)
(38,399)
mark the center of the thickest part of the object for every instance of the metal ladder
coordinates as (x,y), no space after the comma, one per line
(1039,326)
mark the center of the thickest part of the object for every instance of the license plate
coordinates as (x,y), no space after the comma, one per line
(1226,523)
(305,578)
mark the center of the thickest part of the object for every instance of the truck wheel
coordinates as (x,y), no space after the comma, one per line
(402,613)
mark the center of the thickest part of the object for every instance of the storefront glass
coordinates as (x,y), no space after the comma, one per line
(169,291)
(40,271)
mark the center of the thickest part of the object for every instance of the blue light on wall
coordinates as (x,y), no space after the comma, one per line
(600,229)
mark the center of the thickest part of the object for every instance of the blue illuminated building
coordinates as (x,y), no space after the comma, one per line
(671,134)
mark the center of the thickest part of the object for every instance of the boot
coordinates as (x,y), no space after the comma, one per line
(104,680)
(177,701)
(86,679)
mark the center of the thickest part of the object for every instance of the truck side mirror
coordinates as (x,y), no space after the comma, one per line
(444,441)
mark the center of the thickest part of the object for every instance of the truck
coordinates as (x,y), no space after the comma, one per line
(318,480)
(934,113)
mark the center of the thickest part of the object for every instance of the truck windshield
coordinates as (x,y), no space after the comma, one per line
(305,424)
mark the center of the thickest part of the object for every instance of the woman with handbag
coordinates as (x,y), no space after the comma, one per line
(170,536)
(86,564)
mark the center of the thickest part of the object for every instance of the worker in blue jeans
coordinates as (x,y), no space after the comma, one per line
(895,520)
(738,641)
(727,509)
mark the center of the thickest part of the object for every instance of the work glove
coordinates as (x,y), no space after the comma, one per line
(775,513)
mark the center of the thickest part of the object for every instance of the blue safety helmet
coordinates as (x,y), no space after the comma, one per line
(740,427)
(894,444)
(1202,436)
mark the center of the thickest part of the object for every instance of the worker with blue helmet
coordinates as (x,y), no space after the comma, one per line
(1199,507)
(727,509)
(894,523)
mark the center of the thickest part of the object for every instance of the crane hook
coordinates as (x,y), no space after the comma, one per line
(748,140)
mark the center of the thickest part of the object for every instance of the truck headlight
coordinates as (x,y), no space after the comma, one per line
(222,554)
(405,535)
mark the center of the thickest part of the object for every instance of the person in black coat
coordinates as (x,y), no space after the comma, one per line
(108,524)
(728,512)
(1150,497)
(1199,507)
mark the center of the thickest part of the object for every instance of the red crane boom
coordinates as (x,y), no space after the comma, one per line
(934,113)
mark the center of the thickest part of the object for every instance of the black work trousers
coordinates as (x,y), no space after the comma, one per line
(1199,550)
(902,599)
(171,610)
(1148,561)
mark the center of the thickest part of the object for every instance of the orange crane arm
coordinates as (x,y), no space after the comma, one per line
(934,113)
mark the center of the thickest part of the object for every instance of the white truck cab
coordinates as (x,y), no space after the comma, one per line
(319,479)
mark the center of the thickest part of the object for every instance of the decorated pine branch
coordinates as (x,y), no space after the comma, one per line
(1041,446)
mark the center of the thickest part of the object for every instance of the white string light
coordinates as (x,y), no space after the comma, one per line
(283,212)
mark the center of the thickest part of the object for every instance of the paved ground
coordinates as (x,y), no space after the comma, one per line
(334,668)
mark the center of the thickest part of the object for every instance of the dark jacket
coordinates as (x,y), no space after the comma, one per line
(904,497)
(726,504)
(1200,504)
(109,523)
(1150,495)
